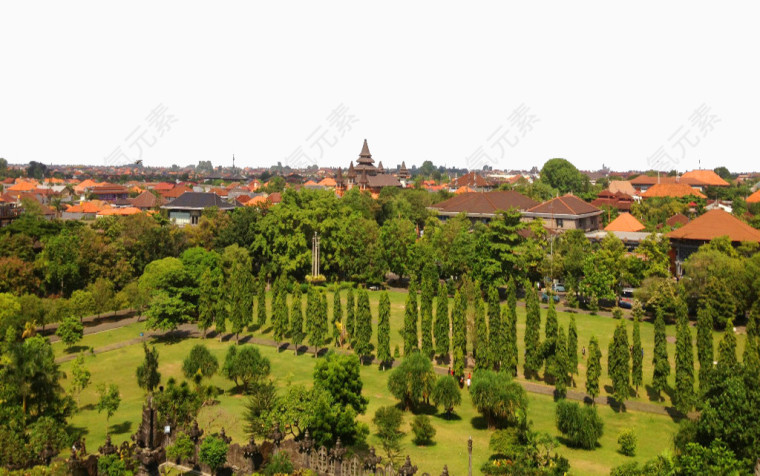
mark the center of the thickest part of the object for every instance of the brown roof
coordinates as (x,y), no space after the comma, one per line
(624,222)
(707,177)
(471,179)
(175,192)
(382,180)
(487,203)
(146,200)
(677,219)
(714,224)
(678,189)
(623,186)
(565,205)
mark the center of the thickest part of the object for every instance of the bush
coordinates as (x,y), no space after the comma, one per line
(627,440)
(581,426)
(279,464)
(112,465)
(182,448)
(213,452)
(423,430)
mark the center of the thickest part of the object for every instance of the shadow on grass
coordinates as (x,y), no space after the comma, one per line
(76,432)
(425,409)
(652,394)
(121,428)
(674,414)
(75,349)
(172,337)
(448,417)
(479,423)
(88,407)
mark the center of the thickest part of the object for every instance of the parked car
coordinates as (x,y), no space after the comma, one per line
(558,288)
(625,300)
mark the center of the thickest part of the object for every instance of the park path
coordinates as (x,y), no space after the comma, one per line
(191,330)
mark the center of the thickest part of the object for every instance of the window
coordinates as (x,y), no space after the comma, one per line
(560,222)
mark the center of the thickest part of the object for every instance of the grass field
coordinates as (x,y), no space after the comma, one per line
(118,366)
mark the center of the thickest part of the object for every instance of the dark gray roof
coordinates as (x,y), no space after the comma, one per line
(198,201)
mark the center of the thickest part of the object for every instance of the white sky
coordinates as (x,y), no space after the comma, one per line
(424,80)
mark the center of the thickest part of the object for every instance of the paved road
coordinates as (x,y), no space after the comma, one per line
(191,330)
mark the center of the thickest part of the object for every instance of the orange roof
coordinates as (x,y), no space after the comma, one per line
(464,189)
(243,198)
(84,185)
(754,198)
(175,192)
(708,177)
(258,201)
(624,222)
(672,190)
(222,192)
(328,182)
(119,211)
(23,186)
(93,206)
(714,224)
(310,182)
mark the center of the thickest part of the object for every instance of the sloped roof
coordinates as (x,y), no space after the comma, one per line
(327,182)
(677,219)
(624,222)
(675,190)
(146,200)
(382,180)
(623,186)
(714,224)
(565,205)
(471,179)
(175,192)
(93,206)
(198,201)
(707,177)
(485,203)
(754,198)
(119,211)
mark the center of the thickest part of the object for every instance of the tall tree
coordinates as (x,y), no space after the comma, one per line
(548,350)
(384,329)
(705,356)
(210,302)
(426,309)
(572,347)
(637,351)
(495,330)
(660,358)
(350,313)
(510,357)
(533,358)
(318,323)
(280,321)
(337,319)
(312,309)
(560,369)
(240,298)
(727,359)
(148,376)
(411,340)
(261,301)
(296,318)
(480,342)
(363,347)
(594,368)
(442,322)
(618,359)
(459,327)
(684,391)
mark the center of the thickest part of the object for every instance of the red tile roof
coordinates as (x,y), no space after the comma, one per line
(484,202)
(565,205)
(707,177)
(624,222)
(471,179)
(754,198)
(674,190)
(677,219)
(714,224)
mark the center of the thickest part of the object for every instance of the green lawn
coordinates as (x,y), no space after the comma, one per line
(118,366)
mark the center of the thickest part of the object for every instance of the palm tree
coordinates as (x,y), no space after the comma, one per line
(57,205)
